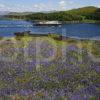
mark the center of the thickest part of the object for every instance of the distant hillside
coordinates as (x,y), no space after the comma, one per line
(4,13)
(27,13)
(80,14)
(20,13)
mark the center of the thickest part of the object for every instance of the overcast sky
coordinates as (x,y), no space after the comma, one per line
(44,5)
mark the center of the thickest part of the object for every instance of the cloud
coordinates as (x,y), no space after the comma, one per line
(65,4)
(71,2)
(35,6)
(12,8)
(62,4)
(98,6)
(39,7)
(2,5)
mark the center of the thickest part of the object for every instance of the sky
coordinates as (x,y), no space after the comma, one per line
(44,5)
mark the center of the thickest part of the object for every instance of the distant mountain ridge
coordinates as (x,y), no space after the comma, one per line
(27,13)
(20,13)
(4,12)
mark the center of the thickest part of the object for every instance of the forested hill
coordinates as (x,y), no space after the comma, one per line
(84,10)
(85,13)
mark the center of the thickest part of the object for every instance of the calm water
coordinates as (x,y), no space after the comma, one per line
(8,27)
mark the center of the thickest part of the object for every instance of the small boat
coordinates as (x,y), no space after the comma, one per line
(22,33)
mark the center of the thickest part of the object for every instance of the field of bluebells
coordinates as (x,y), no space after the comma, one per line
(47,68)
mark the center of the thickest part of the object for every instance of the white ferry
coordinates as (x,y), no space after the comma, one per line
(48,23)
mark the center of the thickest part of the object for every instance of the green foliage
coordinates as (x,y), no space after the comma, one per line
(60,16)
(96,49)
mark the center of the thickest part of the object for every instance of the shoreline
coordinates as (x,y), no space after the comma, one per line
(52,35)
(63,22)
